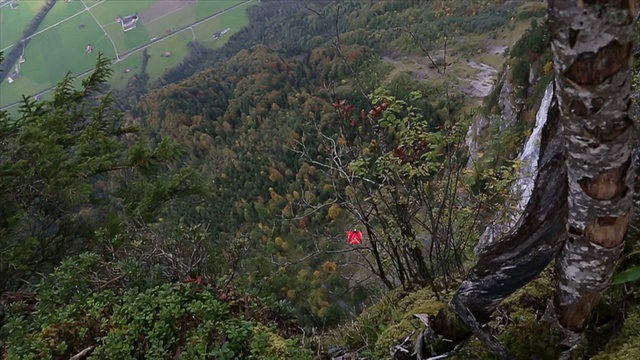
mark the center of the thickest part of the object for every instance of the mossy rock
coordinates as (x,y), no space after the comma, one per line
(371,322)
(378,325)
(528,336)
(419,302)
(394,335)
(518,326)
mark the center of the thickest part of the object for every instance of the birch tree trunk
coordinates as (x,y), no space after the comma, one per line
(591,42)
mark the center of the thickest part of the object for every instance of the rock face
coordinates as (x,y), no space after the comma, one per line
(525,175)
(473,134)
(508,117)
(482,84)
(509,114)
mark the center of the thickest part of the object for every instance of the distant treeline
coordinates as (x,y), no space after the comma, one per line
(16,51)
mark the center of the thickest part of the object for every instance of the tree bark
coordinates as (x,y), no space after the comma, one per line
(591,42)
(586,197)
(517,258)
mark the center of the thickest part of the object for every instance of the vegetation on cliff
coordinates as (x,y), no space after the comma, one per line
(208,219)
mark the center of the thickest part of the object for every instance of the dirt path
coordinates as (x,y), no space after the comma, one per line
(481,85)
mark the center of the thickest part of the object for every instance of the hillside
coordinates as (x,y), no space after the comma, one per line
(210,218)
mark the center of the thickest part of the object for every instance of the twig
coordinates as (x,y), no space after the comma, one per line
(399,348)
(82,354)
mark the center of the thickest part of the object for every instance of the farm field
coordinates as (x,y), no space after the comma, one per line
(58,13)
(14,21)
(63,39)
(205,30)
(129,40)
(120,76)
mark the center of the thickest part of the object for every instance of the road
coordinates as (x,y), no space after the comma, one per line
(125,55)
(115,49)
(53,25)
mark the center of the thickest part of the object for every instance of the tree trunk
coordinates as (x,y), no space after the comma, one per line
(591,42)
(592,46)
(517,258)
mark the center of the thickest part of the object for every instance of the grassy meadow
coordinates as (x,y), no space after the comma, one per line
(70,27)
(14,21)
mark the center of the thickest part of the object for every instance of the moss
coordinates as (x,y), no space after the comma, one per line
(266,344)
(371,322)
(517,325)
(625,346)
(387,322)
(394,335)
(527,336)
(419,302)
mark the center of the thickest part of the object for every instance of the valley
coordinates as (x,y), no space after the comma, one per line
(82,29)
(319,179)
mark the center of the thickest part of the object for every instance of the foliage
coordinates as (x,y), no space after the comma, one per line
(274,122)
(68,168)
(628,275)
(398,175)
(385,322)
(170,320)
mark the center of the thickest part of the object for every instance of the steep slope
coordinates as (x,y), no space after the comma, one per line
(241,121)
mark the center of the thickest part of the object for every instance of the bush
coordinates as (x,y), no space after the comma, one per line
(167,321)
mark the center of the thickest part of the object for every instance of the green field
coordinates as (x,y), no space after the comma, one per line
(14,21)
(129,40)
(45,49)
(61,48)
(177,45)
(206,8)
(54,52)
(60,11)
(120,77)
(234,21)
(188,15)
(107,11)
(172,21)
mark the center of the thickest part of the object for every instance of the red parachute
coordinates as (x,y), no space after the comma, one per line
(354,237)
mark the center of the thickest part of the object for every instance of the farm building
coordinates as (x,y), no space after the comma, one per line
(128,22)
(14,76)
(13,4)
(217,34)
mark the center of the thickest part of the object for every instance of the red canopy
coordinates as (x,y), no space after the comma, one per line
(354,237)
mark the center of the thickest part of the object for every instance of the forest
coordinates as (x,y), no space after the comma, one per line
(205,215)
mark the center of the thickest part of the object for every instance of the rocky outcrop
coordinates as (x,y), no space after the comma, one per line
(509,111)
(525,177)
